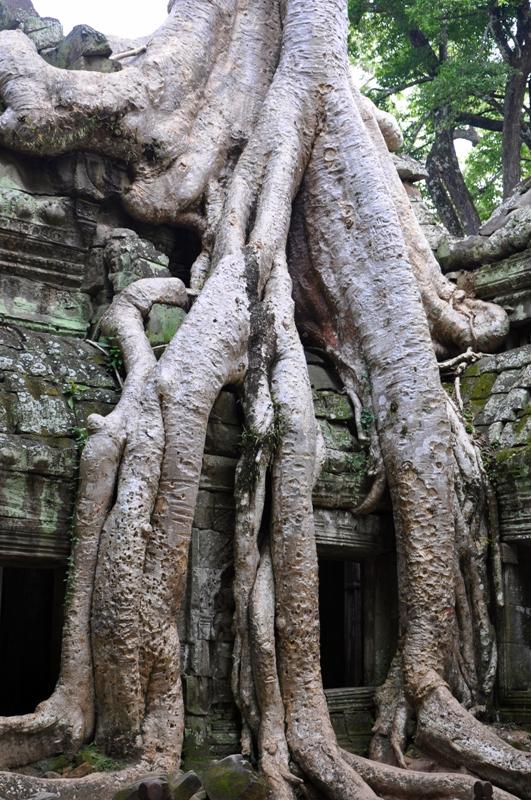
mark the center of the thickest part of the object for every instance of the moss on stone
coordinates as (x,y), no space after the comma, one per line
(477,387)
(332,406)
(163,323)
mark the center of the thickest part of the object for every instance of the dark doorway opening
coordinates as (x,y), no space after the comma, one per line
(31,620)
(186,249)
(341,616)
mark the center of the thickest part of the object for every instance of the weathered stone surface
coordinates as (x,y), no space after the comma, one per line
(508,283)
(514,402)
(342,533)
(129,258)
(149,788)
(14,12)
(352,716)
(186,786)
(513,483)
(337,437)
(505,381)
(44,251)
(215,511)
(233,778)
(84,48)
(227,409)
(322,377)
(44,380)
(45,32)
(163,323)
(223,439)
(218,473)
(343,482)
(332,406)
(409,169)
(505,418)
(496,390)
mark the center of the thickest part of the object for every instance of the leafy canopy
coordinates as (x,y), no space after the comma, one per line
(420,56)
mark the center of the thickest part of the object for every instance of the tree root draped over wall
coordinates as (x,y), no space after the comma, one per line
(240,118)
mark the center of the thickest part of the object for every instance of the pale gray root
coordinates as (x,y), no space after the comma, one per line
(65,720)
(389,780)
(148,705)
(444,727)
(351,367)
(476,649)
(98,786)
(250,495)
(511,237)
(165,112)
(455,319)
(389,734)
(321,323)
(310,736)
(272,744)
(408,403)
(250,491)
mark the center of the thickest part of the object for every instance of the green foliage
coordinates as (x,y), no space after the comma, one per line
(73,392)
(253,441)
(367,419)
(419,57)
(115,361)
(70,576)
(81,436)
(483,172)
(355,462)
(90,754)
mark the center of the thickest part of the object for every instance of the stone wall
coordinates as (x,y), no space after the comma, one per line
(497,391)
(48,386)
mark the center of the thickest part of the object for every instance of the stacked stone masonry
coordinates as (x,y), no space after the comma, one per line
(497,391)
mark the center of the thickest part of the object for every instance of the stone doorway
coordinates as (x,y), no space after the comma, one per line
(31,619)
(341,615)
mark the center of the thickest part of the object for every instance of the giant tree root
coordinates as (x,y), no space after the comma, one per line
(235,111)
(98,786)
(397,782)
(66,719)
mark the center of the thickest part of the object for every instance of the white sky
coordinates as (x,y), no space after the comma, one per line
(127,18)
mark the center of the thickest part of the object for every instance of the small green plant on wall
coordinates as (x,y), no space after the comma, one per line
(73,392)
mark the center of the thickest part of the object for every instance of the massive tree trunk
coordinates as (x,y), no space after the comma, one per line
(241,120)
(446,184)
(513,105)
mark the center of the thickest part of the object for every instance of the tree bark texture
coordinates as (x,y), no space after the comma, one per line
(240,119)
(446,184)
(513,103)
